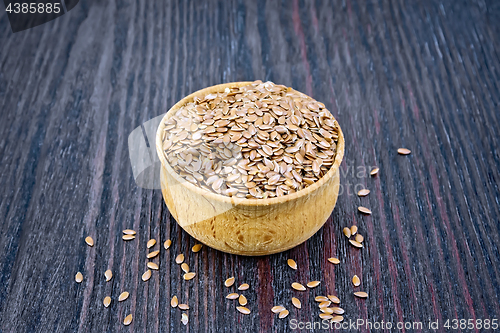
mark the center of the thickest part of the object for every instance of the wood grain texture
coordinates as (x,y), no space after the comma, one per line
(417,74)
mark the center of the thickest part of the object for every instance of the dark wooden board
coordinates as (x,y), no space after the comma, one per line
(418,74)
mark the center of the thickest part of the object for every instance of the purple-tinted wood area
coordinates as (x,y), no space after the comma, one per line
(424,75)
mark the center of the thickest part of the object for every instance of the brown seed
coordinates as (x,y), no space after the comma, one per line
(354,230)
(283,314)
(356,244)
(229,282)
(347,232)
(359,238)
(338,310)
(197,248)
(296,302)
(183,306)
(298,286)
(108,274)
(363,192)
(152,254)
(292,263)
(151,243)
(128,320)
(321,299)
(174,301)
(324,304)
(179,259)
(106,301)
(243,310)
(185,267)
(129,232)
(242,300)
(374,172)
(361,294)
(167,244)
(128,237)
(334,260)
(147,275)
(334,299)
(277,308)
(244,286)
(89,241)
(152,265)
(404,151)
(325,316)
(123,296)
(189,276)
(313,284)
(78,277)
(364,210)
(337,319)
(326,310)
(232,296)
(184,319)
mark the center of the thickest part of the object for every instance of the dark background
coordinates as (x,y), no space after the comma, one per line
(424,75)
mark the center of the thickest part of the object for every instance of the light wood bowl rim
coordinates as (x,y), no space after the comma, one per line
(234,200)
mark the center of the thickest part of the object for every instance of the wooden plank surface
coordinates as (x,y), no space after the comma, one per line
(417,74)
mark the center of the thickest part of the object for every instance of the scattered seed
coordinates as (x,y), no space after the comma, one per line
(243,310)
(183,306)
(167,244)
(361,294)
(404,151)
(129,232)
(364,210)
(78,277)
(128,237)
(123,296)
(189,276)
(244,286)
(179,259)
(324,304)
(152,254)
(89,241)
(232,296)
(127,320)
(174,301)
(321,299)
(185,319)
(326,310)
(197,248)
(242,300)
(337,319)
(298,286)
(363,193)
(229,282)
(338,310)
(325,316)
(151,243)
(374,172)
(296,302)
(356,244)
(185,267)
(334,299)
(354,230)
(106,301)
(347,232)
(108,274)
(277,308)
(152,265)
(359,238)
(292,263)
(147,275)
(335,261)
(283,314)
(313,284)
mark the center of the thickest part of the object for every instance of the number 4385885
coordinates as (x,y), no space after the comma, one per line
(486,324)
(33,8)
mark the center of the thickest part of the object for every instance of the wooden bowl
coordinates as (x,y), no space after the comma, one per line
(247,226)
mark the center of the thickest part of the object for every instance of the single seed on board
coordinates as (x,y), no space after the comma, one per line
(298,286)
(197,248)
(374,172)
(347,232)
(335,261)
(334,299)
(242,300)
(355,281)
(185,267)
(232,296)
(404,151)
(321,299)
(283,314)
(152,265)
(337,319)
(363,193)
(292,263)
(229,282)
(244,286)
(174,301)
(123,296)
(106,301)
(151,243)
(243,310)
(128,320)
(189,276)
(325,316)
(146,275)
(167,244)
(354,230)
(356,244)
(183,306)
(364,210)
(108,274)
(78,277)
(128,237)
(185,319)
(324,304)
(89,241)
(338,310)
(326,310)
(129,232)
(296,302)
(152,254)
(313,284)
(361,294)
(277,308)
(359,238)
(179,259)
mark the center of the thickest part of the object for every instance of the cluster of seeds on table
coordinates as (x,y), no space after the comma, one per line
(242,300)
(257,141)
